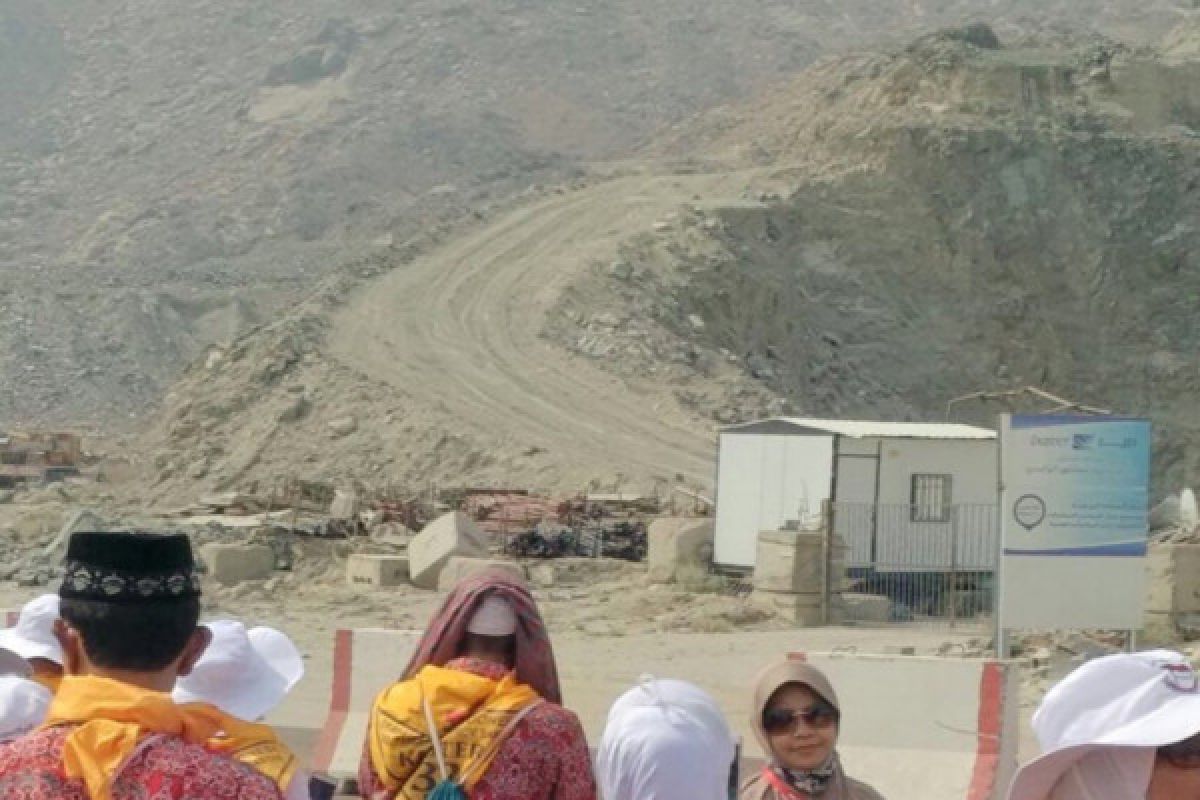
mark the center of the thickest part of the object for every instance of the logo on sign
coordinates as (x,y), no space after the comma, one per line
(1029,511)
(1082,441)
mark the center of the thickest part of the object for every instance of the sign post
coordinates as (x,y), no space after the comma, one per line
(1074,495)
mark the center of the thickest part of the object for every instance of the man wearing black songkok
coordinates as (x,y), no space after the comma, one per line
(128,627)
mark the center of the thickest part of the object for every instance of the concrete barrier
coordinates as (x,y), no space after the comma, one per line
(365,660)
(940,728)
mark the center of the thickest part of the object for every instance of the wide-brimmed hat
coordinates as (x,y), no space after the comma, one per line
(23,706)
(243,673)
(13,664)
(1129,700)
(33,635)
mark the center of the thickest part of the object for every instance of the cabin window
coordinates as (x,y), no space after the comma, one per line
(930,499)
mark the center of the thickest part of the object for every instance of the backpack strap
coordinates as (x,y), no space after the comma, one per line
(434,737)
(468,776)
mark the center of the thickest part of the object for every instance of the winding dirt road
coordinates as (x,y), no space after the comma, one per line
(458,329)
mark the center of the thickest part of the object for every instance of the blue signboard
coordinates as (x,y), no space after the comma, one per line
(1076,486)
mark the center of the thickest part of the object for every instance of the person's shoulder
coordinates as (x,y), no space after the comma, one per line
(40,743)
(172,755)
(754,788)
(553,715)
(861,791)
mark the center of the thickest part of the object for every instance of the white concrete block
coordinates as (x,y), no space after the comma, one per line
(231,564)
(453,534)
(370,569)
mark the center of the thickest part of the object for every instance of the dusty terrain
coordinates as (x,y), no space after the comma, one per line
(880,235)
(173,172)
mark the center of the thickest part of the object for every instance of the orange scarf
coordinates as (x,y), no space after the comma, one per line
(111,718)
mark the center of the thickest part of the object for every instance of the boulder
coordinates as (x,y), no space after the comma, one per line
(343,426)
(459,567)
(379,571)
(678,544)
(453,534)
(231,564)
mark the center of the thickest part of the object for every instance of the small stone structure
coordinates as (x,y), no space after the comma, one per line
(379,571)
(231,564)
(1172,590)
(788,575)
(678,543)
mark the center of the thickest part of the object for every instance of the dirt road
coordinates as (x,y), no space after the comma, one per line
(459,330)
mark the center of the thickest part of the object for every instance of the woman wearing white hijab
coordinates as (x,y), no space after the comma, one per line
(1122,727)
(665,740)
(23,702)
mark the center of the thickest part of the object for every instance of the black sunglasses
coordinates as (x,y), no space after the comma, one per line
(783,720)
(1182,755)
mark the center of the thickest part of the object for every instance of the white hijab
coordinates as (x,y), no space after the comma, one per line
(23,706)
(665,740)
(1113,773)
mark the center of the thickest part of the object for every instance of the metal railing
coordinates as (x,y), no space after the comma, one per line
(939,572)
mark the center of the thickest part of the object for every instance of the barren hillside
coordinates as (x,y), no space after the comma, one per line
(172,173)
(874,238)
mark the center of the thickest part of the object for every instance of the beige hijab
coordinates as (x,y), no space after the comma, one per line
(769,681)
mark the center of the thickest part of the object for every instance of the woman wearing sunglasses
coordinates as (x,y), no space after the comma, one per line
(1122,727)
(796,719)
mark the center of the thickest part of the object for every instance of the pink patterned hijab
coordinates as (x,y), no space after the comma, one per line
(443,638)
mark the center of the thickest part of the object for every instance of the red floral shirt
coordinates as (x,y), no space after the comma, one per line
(545,757)
(164,768)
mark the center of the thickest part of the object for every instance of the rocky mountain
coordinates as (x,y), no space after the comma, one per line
(880,235)
(174,173)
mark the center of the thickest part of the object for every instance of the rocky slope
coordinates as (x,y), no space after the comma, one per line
(884,233)
(172,173)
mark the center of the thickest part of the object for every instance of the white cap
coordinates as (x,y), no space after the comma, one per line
(1129,700)
(494,617)
(33,636)
(243,673)
(23,706)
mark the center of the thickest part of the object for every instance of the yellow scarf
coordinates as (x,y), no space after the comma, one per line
(111,718)
(258,747)
(48,678)
(471,713)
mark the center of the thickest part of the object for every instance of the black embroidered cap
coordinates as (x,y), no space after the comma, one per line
(129,568)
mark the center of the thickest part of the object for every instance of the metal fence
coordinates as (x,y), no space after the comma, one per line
(914,569)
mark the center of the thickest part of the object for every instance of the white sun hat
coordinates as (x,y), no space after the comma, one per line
(1117,709)
(23,706)
(33,635)
(243,673)
(13,664)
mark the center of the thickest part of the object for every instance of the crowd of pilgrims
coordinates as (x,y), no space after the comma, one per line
(111,689)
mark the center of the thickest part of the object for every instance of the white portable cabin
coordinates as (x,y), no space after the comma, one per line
(777,472)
